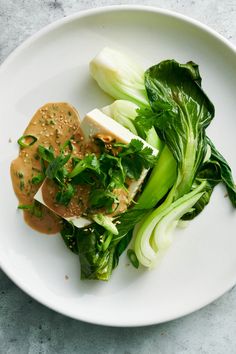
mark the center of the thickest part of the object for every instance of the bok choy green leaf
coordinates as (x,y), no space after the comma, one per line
(98,249)
(214,170)
(183,112)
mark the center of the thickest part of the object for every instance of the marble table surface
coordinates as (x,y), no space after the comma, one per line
(27,326)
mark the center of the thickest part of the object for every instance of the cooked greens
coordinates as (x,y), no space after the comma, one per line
(181,114)
(98,249)
(189,166)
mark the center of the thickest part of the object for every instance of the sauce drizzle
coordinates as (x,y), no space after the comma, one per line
(52,124)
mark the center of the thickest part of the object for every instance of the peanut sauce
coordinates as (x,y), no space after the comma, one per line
(77,206)
(53,124)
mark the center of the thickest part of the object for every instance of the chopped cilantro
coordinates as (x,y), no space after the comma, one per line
(100,198)
(56,165)
(46,154)
(37,179)
(35,208)
(65,194)
(103,173)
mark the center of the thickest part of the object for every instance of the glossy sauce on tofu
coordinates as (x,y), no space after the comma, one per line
(53,124)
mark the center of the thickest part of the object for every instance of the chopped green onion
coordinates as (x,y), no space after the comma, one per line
(133,258)
(37,179)
(68,144)
(35,209)
(23,140)
(106,222)
(25,206)
(46,154)
(107,241)
(22,184)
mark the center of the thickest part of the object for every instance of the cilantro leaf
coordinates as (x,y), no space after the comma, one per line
(65,194)
(88,162)
(35,208)
(56,165)
(117,179)
(135,157)
(100,198)
(46,154)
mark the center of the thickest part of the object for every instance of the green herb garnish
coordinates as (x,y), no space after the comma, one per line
(65,194)
(100,198)
(46,154)
(27,140)
(68,144)
(37,179)
(133,258)
(35,208)
(22,184)
(88,162)
(56,165)
(99,250)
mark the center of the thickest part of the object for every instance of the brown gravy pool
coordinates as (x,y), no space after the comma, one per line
(53,124)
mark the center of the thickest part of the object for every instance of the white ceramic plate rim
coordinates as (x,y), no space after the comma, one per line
(87,13)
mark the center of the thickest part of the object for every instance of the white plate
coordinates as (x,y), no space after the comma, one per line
(53,66)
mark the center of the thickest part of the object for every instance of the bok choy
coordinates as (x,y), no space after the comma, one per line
(98,249)
(166,106)
(181,112)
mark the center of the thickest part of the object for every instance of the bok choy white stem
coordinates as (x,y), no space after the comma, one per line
(155,232)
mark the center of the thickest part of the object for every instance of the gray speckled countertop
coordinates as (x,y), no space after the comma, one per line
(28,327)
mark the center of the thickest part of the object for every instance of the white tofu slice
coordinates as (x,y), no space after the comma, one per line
(96,122)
